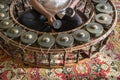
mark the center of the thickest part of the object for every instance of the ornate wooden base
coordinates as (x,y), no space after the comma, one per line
(56,55)
(54,60)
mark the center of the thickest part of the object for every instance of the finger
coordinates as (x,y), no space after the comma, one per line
(54,18)
(50,22)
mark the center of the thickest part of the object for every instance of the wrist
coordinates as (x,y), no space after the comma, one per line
(71,6)
(47,14)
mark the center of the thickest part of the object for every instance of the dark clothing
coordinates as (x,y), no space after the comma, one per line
(34,20)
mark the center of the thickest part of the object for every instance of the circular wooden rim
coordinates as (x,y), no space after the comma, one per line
(52,33)
(74,48)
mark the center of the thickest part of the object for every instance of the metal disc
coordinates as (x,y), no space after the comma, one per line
(6,1)
(57,24)
(14,32)
(64,40)
(46,40)
(95,28)
(99,1)
(103,18)
(6,24)
(29,37)
(3,15)
(81,35)
(3,7)
(69,11)
(105,8)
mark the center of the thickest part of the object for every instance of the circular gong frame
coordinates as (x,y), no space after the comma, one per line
(85,49)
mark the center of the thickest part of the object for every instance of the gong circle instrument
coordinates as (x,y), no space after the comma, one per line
(56,49)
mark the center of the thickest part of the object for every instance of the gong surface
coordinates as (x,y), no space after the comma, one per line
(105,8)
(69,12)
(3,15)
(99,1)
(95,28)
(29,37)
(6,24)
(14,32)
(57,24)
(6,1)
(46,40)
(103,18)
(81,35)
(64,40)
(3,7)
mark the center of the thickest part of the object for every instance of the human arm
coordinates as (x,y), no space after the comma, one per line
(74,3)
(37,6)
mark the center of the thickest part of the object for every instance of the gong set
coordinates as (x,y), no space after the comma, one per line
(55,47)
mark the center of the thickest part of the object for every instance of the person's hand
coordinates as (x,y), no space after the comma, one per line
(51,19)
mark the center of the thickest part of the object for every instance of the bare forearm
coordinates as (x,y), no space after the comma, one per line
(43,11)
(37,6)
(74,3)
